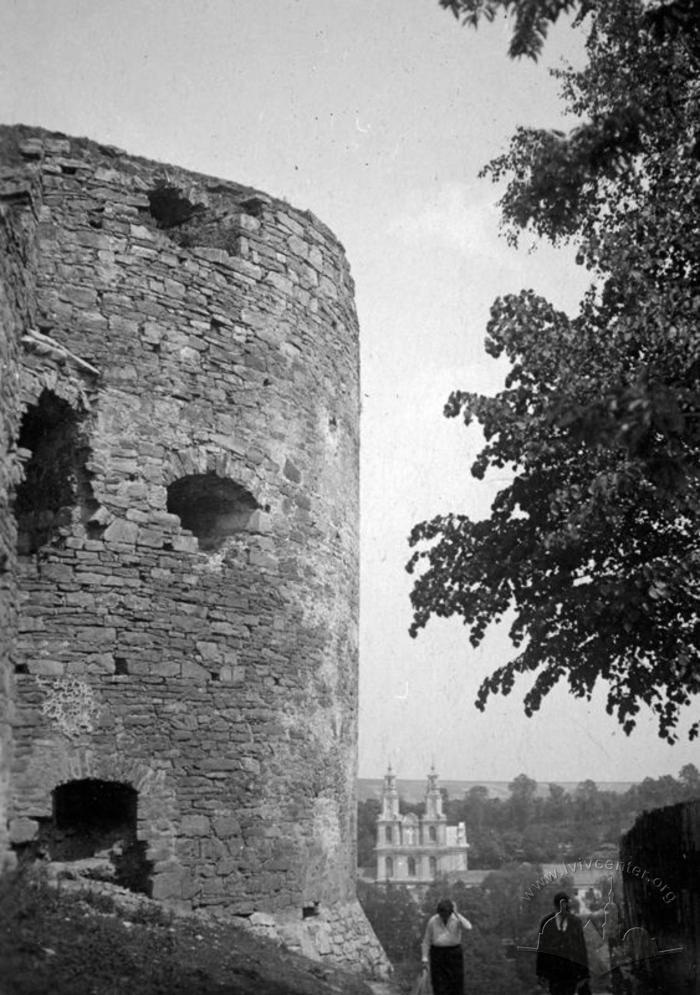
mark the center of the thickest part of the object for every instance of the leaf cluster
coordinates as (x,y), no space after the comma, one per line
(532,18)
(593,547)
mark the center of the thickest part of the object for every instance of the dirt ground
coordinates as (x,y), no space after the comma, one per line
(68,942)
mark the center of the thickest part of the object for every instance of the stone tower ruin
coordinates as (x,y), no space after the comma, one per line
(179,538)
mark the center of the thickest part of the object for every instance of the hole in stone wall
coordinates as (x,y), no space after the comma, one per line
(95,818)
(254,205)
(56,482)
(170,207)
(94,805)
(212,508)
(96,217)
(310,910)
(120,665)
(191,224)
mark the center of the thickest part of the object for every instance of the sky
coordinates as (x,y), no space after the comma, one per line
(376,115)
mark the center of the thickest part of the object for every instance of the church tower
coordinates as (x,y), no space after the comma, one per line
(413,851)
(434,822)
(390,797)
(388,827)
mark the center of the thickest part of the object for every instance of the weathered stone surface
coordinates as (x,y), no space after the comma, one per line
(167,886)
(121,531)
(195,825)
(94,868)
(203,337)
(23,830)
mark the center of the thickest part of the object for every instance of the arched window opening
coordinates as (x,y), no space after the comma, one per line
(433,867)
(432,834)
(94,818)
(56,490)
(212,508)
(411,867)
(388,835)
(389,867)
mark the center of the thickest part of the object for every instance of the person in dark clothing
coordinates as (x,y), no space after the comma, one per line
(442,949)
(562,960)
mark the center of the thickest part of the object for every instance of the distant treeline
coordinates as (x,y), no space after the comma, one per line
(529,825)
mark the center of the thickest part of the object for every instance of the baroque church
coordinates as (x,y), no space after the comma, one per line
(414,850)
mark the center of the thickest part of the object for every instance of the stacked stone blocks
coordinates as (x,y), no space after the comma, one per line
(183,364)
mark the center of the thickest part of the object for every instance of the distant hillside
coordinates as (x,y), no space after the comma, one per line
(414,790)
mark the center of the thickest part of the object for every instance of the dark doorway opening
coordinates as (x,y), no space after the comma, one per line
(56,486)
(95,818)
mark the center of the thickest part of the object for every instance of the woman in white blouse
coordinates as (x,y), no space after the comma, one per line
(442,949)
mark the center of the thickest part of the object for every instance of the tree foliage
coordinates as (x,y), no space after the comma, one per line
(543,826)
(594,544)
(367,814)
(490,911)
(394,917)
(531,18)
(559,827)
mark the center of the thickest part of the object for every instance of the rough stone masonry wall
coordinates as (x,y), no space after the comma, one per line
(17,226)
(188,575)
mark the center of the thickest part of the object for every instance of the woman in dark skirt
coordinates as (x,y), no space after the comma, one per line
(442,949)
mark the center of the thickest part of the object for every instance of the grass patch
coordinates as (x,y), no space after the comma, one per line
(81,943)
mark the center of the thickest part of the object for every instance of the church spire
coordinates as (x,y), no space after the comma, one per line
(390,796)
(433,796)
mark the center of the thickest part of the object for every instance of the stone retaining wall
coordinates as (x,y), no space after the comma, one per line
(337,934)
